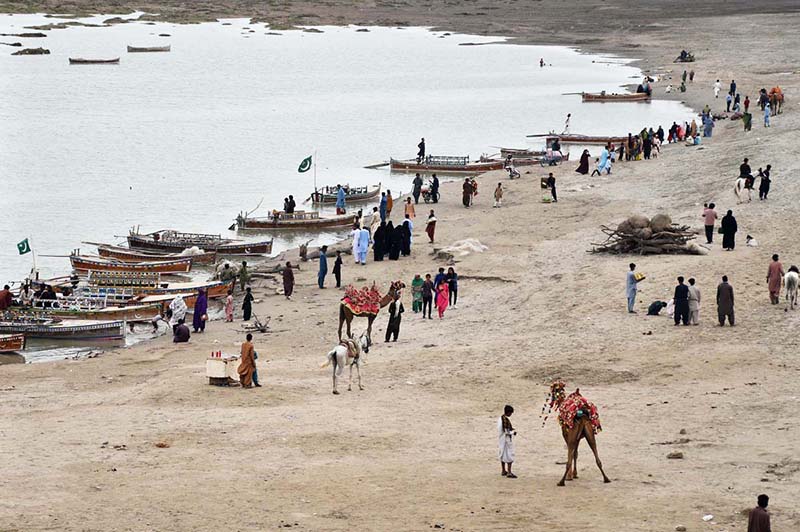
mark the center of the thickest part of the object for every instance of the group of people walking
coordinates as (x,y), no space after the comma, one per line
(728,226)
(440,291)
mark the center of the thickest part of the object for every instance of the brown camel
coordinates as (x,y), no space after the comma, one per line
(347,315)
(578,419)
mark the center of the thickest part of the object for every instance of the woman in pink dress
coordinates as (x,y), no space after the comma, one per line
(229,306)
(442,298)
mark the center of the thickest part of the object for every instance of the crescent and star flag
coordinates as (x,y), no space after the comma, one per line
(24,247)
(305,166)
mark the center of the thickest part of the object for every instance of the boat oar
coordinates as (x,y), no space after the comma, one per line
(571,93)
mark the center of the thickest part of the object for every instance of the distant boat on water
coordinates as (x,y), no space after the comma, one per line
(82,61)
(138,49)
(614,97)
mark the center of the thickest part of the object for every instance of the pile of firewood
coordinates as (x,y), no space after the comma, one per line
(641,235)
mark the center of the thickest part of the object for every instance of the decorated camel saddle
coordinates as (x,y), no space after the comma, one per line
(365,301)
(570,407)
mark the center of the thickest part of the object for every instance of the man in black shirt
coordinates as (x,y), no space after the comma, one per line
(427,296)
(681,303)
(744,169)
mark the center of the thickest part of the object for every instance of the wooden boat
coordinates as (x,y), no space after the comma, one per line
(327,195)
(614,97)
(569,138)
(11,343)
(78,308)
(130,255)
(54,329)
(446,165)
(82,263)
(521,152)
(298,220)
(127,288)
(138,49)
(162,301)
(82,61)
(527,160)
(175,242)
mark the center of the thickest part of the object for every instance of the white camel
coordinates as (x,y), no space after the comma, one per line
(740,188)
(791,280)
(348,352)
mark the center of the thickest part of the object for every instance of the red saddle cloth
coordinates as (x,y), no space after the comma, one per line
(363,301)
(572,405)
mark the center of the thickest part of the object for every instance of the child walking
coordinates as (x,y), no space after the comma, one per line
(498,195)
(505,435)
(229,306)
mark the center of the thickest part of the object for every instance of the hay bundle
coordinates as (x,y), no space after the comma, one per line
(640,235)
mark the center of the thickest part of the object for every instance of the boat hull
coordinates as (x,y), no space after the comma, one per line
(319,198)
(469,168)
(129,255)
(11,343)
(238,248)
(67,330)
(132,313)
(81,61)
(171,266)
(590,139)
(521,152)
(268,224)
(141,49)
(635,97)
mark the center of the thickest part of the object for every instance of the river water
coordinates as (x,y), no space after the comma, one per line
(187,139)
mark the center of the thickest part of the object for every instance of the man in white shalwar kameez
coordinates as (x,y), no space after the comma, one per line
(505,435)
(362,246)
(694,303)
(355,233)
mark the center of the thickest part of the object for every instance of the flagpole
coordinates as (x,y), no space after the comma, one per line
(33,251)
(315,170)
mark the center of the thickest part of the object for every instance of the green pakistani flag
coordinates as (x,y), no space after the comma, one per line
(24,247)
(305,166)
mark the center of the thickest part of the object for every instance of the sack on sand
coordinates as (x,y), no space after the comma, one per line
(638,221)
(660,222)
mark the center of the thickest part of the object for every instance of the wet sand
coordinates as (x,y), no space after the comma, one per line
(417,447)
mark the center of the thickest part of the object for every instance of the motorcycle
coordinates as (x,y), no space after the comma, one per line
(427,193)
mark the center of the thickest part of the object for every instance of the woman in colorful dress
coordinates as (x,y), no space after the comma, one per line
(416,293)
(442,298)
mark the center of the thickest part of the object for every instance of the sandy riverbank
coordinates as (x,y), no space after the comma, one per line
(417,447)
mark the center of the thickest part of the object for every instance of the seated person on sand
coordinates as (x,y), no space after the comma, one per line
(181,333)
(693,141)
(655,308)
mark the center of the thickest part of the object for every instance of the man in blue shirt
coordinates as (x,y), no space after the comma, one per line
(383,206)
(340,204)
(441,277)
(323,266)
(630,288)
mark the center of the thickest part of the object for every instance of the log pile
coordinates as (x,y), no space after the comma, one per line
(644,236)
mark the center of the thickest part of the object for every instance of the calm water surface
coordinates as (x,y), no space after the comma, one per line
(189,138)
